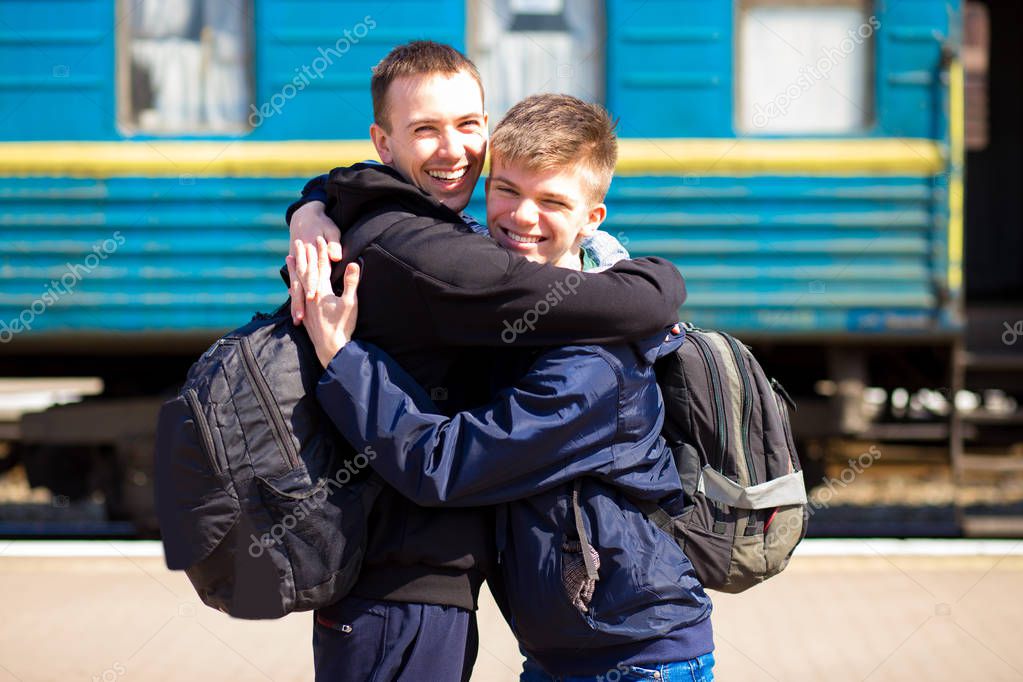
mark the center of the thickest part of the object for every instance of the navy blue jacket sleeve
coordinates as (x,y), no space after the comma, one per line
(558,423)
(314,190)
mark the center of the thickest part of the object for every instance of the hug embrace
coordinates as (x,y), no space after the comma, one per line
(500,386)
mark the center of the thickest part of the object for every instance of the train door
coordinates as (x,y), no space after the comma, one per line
(994,108)
(992,365)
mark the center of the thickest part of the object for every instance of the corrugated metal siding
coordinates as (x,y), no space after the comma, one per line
(760,254)
(141,255)
(779,254)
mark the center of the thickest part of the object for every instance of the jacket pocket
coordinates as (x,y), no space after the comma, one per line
(709,552)
(318,523)
(543,614)
(578,586)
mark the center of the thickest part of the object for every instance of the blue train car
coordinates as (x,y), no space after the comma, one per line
(800,162)
(837,215)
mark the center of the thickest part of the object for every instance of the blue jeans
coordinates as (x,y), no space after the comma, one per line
(700,669)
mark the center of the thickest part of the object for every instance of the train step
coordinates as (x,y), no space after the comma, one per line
(993,361)
(991,463)
(993,419)
(906,431)
(1002,369)
(977,526)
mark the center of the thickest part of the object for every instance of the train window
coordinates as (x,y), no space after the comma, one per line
(524,47)
(805,66)
(183,66)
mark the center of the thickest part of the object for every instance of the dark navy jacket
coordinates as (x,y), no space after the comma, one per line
(582,412)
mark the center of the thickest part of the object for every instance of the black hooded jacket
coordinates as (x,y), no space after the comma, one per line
(455,310)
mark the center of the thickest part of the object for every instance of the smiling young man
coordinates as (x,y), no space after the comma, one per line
(436,132)
(430,127)
(438,296)
(591,587)
(546,212)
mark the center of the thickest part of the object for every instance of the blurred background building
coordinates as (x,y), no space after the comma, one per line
(838,180)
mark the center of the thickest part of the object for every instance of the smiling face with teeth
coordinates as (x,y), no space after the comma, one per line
(438,134)
(542,214)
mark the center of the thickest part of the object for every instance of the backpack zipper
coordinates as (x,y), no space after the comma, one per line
(719,409)
(192,398)
(784,401)
(747,408)
(266,401)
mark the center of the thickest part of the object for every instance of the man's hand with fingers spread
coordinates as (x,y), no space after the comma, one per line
(309,226)
(329,319)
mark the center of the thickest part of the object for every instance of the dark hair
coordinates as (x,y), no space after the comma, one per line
(559,131)
(416,58)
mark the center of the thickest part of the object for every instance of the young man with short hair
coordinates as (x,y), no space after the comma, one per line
(590,585)
(439,297)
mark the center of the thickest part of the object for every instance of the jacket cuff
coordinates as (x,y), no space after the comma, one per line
(344,364)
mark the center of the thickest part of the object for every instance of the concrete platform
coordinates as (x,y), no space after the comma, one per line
(852,610)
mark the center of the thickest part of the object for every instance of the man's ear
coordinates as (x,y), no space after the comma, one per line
(594,218)
(382,141)
(486,139)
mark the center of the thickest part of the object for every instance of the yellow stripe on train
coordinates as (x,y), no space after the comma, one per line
(240,158)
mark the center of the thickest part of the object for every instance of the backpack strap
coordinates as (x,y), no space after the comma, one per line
(584,541)
(657,516)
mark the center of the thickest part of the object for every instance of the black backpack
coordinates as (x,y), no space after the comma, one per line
(728,427)
(260,501)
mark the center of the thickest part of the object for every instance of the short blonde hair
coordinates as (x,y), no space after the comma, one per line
(549,131)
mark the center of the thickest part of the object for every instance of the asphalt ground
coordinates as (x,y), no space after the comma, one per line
(843,610)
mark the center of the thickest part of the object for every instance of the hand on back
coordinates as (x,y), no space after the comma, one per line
(310,227)
(329,319)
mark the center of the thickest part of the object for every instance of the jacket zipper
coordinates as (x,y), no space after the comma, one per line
(266,401)
(715,380)
(747,407)
(204,429)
